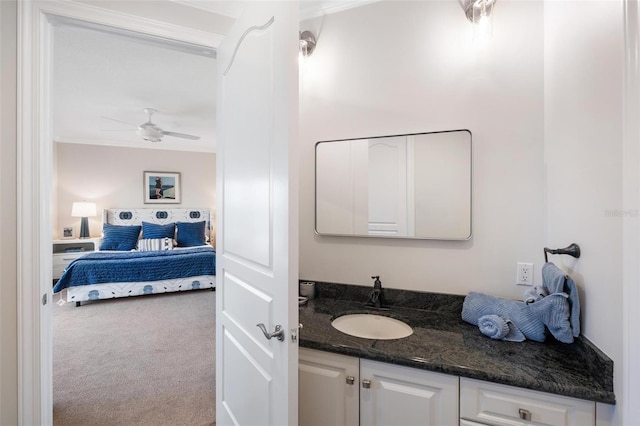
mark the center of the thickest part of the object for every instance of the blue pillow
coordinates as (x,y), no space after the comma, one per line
(152,231)
(117,237)
(190,234)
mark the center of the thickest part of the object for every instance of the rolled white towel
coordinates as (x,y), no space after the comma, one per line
(499,328)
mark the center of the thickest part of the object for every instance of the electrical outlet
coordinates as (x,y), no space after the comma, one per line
(524,275)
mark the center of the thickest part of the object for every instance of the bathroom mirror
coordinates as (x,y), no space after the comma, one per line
(404,186)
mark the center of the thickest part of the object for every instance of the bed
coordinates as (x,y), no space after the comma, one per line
(144,251)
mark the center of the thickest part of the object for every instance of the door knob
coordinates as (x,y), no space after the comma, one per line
(366,384)
(279,332)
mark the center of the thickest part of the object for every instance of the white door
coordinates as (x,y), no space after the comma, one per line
(257,218)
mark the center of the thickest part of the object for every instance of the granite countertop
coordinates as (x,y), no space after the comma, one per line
(442,342)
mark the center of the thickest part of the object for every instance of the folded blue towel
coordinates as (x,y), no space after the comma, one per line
(557,281)
(535,293)
(532,320)
(553,310)
(499,328)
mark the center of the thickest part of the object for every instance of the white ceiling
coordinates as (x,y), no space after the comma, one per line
(101,72)
(308,8)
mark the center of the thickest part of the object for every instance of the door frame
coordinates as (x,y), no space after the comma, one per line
(630,386)
(34,177)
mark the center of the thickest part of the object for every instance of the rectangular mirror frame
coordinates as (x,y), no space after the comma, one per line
(359,173)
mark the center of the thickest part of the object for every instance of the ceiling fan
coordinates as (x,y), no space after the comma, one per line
(149,131)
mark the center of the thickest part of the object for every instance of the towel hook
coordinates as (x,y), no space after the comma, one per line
(572,250)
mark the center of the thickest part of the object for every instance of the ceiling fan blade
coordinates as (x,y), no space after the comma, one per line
(135,126)
(181,135)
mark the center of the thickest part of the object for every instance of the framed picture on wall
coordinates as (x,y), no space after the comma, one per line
(162,188)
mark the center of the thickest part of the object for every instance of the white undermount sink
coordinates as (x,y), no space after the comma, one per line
(371,326)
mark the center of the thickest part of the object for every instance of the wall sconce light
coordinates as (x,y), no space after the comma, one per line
(84,210)
(307,43)
(480,13)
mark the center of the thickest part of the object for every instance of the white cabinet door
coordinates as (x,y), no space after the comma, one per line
(328,389)
(396,395)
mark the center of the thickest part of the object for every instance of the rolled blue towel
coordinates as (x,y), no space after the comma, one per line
(476,305)
(557,281)
(499,328)
(534,293)
(493,326)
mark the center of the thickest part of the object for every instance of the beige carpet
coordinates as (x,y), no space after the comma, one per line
(147,360)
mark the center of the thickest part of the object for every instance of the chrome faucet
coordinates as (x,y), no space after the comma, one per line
(376,298)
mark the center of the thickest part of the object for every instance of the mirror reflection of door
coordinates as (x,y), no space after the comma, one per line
(387,186)
(405,186)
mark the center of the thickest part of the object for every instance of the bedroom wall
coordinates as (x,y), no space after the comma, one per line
(414,67)
(112,178)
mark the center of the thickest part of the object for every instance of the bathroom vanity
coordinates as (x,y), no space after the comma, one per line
(342,390)
(445,373)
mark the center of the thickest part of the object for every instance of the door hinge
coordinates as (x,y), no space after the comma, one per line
(44,299)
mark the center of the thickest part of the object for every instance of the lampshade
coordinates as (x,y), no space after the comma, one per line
(83,209)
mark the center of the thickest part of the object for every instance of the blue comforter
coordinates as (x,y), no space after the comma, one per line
(133,266)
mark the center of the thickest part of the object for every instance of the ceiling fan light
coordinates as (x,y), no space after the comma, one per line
(149,132)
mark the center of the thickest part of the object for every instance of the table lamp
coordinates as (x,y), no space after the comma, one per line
(84,210)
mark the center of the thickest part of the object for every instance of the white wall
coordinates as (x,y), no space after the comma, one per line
(405,67)
(583,108)
(8,217)
(112,178)
(543,100)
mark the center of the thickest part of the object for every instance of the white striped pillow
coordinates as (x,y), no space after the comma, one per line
(155,244)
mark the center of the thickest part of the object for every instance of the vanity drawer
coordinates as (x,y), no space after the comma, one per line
(494,404)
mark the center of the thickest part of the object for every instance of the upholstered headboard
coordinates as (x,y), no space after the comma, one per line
(161,216)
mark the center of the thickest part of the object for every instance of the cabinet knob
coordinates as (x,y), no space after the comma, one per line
(524,414)
(366,384)
(351,380)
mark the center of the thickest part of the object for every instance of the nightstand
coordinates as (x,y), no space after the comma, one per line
(65,251)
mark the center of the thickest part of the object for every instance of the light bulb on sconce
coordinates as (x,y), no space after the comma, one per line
(307,45)
(480,14)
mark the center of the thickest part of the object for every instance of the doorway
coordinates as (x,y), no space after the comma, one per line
(35,176)
(124,360)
